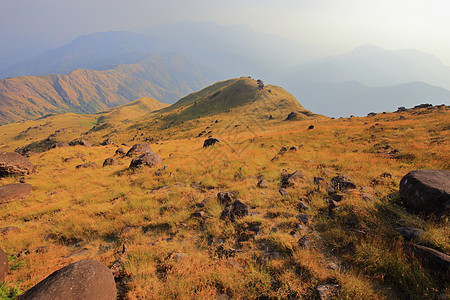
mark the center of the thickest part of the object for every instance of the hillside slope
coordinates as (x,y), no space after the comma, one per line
(166,78)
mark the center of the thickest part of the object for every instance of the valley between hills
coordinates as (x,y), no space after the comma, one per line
(235,191)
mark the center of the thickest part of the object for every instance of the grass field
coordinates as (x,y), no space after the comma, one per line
(173,253)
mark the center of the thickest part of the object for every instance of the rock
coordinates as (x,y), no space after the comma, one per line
(262,184)
(86,279)
(3,265)
(342,183)
(110,162)
(120,151)
(205,202)
(303,241)
(427,191)
(226,198)
(283,192)
(385,178)
(60,144)
(149,159)
(322,183)
(12,163)
(304,218)
(311,127)
(107,142)
(333,266)
(293,149)
(87,165)
(293,115)
(210,141)
(409,233)
(302,206)
(139,149)
(9,230)
(235,211)
(291,179)
(336,197)
(328,291)
(432,259)
(177,256)
(198,214)
(80,142)
(14,191)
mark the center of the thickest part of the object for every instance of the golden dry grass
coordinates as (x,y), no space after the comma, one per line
(74,209)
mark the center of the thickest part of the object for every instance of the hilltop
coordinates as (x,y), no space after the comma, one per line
(240,104)
(278,208)
(165,78)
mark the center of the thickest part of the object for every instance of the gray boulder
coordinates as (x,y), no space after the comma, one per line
(427,191)
(86,279)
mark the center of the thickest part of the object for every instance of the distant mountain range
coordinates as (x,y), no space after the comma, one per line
(219,51)
(353,98)
(166,78)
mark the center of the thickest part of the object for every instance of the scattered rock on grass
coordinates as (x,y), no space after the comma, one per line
(262,184)
(139,149)
(86,279)
(234,211)
(328,291)
(149,159)
(290,179)
(110,162)
(60,144)
(120,151)
(226,198)
(15,191)
(283,192)
(12,163)
(10,229)
(409,233)
(432,259)
(80,142)
(87,165)
(210,141)
(342,183)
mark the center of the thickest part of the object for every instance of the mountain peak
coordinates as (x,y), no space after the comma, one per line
(367,49)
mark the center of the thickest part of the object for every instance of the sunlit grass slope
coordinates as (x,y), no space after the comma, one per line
(173,253)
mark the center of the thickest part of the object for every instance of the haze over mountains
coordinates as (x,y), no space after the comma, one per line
(365,79)
(166,78)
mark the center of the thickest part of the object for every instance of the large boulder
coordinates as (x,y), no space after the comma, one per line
(12,163)
(3,265)
(427,191)
(14,191)
(139,149)
(86,279)
(148,160)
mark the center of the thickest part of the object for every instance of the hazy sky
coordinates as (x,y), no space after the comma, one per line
(335,25)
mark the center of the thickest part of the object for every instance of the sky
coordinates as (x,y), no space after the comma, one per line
(333,26)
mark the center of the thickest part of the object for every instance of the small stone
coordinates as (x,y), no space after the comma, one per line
(262,183)
(302,206)
(304,218)
(283,192)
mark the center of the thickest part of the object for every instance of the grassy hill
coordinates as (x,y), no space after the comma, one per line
(166,78)
(169,217)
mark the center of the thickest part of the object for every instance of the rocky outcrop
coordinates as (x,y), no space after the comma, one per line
(15,191)
(86,279)
(12,163)
(427,191)
(234,211)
